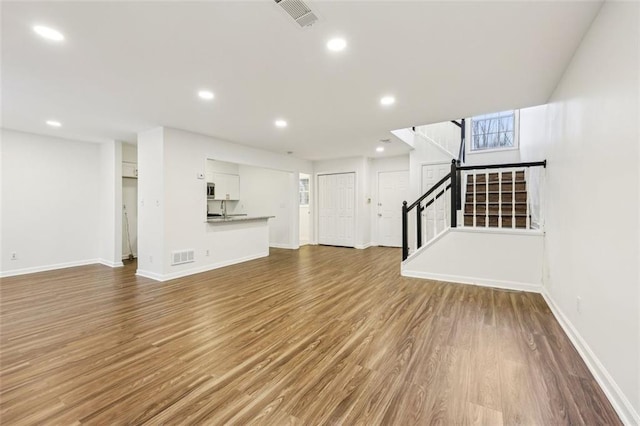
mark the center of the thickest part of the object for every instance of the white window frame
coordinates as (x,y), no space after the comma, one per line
(300,191)
(516,137)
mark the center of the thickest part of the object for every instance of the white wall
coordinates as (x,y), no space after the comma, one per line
(129,152)
(173,215)
(378,165)
(508,259)
(110,193)
(50,199)
(265,192)
(592,216)
(151,208)
(361,167)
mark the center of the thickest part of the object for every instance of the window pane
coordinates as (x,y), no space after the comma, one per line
(491,131)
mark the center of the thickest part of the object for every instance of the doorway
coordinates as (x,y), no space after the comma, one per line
(336,209)
(305,213)
(393,189)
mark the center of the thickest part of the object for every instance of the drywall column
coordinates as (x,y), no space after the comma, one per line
(110,203)
(151,203)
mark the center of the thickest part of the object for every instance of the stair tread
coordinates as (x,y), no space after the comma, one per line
(495,215)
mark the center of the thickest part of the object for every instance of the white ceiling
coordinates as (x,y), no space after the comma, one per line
(130,66)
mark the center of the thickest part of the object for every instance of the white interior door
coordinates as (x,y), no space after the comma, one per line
(304,212)
(434,218)
(336,209)
(393,189)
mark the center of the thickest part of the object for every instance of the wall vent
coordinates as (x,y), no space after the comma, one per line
(299,11)
(183,256)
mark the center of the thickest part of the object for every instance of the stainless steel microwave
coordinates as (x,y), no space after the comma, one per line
(211,190)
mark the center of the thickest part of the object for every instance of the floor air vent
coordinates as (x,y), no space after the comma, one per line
(299,11)
(184,256)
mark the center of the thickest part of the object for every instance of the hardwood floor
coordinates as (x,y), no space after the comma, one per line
(322,335)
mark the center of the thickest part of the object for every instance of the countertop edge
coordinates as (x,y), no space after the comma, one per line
(238,219)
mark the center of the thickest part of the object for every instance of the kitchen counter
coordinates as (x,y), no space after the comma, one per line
(238,218)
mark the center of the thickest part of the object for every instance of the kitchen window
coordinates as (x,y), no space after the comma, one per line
(495,131)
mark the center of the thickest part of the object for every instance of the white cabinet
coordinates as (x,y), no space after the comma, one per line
(129,169)
(227,186)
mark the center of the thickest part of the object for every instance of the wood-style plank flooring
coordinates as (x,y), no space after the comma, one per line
(322,335)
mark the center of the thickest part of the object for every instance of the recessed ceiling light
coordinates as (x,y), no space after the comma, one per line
(206,95)
(336,44)
(48,33)
(387,100)
(54,123)
(281,123)
(380,149)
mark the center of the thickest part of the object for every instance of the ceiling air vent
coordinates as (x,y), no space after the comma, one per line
(299,11)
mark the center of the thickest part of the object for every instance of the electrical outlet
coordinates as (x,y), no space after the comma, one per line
(206,253)
(579,304)
(14,256)
(150,259)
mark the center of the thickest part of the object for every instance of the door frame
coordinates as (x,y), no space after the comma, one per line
(310,209)
(316,205)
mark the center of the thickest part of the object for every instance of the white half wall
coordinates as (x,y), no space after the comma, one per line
(591,143)
(50,203)
(503,259)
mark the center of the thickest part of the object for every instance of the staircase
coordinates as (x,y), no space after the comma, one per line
(497,200)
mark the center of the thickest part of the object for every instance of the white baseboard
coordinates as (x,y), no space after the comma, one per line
(363,246)
(282,246)
(149,274)
(200,269)
(483,282)
(45,268)
(110,263)
(618,400)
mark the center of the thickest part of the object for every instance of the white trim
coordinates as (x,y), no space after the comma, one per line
(283,246)
(192,271)
(509,231)
(437,145)
(363,246)
(110,263)
(148,274)
(614,394)
(45,268)
(516,136)
(426,245)
(482,282)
